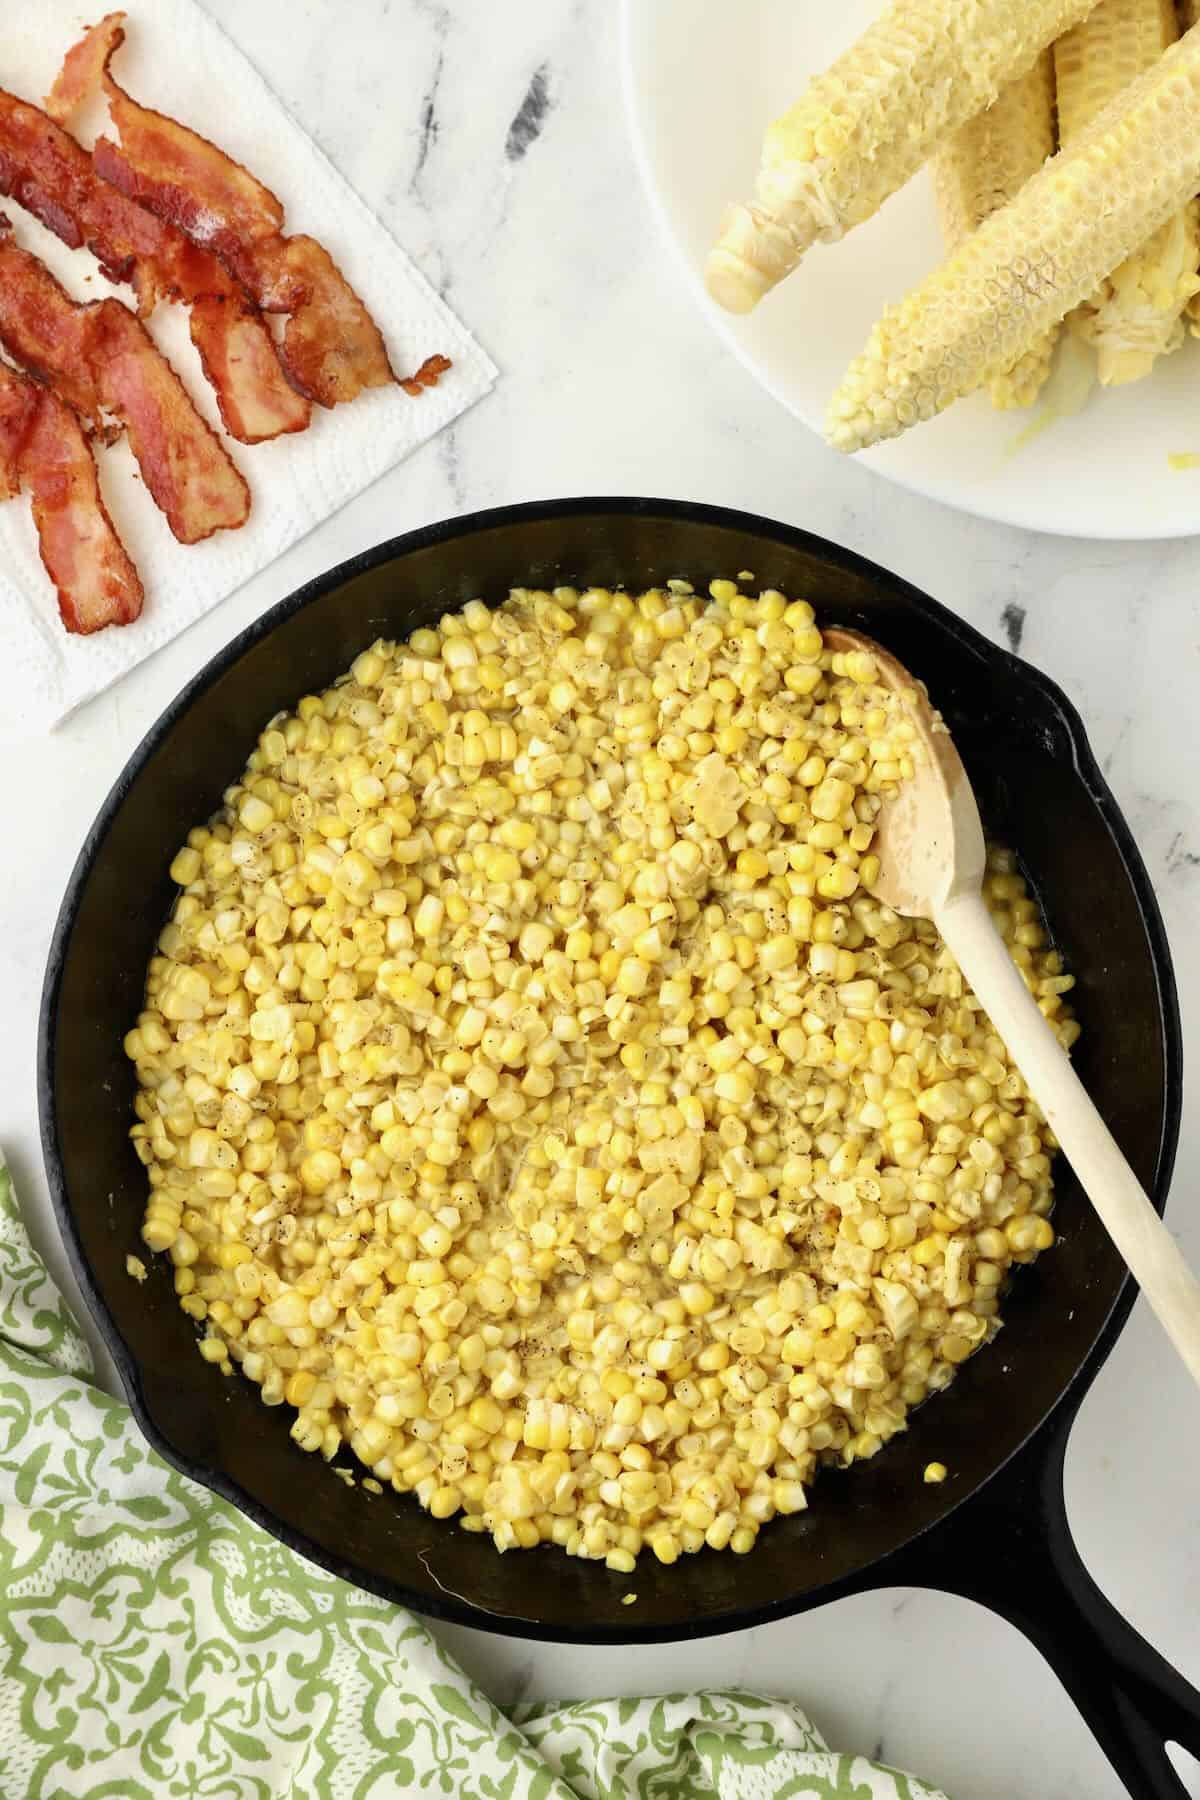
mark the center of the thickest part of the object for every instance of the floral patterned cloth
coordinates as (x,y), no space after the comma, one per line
(153,1642)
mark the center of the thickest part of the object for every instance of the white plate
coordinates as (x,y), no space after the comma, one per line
(702,79)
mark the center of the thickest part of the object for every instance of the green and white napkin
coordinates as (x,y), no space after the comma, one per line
(153,1642)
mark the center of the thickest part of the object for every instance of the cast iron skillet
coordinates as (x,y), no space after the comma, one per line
(996,1531)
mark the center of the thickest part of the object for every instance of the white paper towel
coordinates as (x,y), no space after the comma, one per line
(177,59)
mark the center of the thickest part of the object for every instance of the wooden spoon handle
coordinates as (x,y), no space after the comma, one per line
(1152,1254)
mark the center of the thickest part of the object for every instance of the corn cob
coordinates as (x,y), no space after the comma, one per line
(862,129)
(1136,313)
(1032,260)
(987,162)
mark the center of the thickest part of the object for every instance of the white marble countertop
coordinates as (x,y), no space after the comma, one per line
(491,141)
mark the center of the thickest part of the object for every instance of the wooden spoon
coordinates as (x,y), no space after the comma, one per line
(931,862)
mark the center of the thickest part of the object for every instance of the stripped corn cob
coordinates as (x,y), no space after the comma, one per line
(986,163)
(862,129)
(1189,15)
(1136,314)
(1032,260)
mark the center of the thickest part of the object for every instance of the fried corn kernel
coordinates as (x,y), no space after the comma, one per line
(535,1100)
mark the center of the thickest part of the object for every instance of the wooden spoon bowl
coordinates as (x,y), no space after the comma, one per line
(930,845)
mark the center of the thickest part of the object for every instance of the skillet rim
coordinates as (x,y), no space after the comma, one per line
(444,1605)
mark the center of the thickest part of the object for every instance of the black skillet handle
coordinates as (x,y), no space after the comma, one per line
(1011,1549)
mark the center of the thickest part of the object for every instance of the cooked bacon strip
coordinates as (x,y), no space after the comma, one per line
(331,345)
(96,582)
(220,222)
(241,363)
(18,403)
(102,360)
(83,67)
(53,177)
(332,348)
(181,458)
(255,396)
(228,210)
(47,333)
(44,451)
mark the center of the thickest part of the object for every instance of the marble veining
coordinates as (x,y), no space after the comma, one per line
(1012,623)
(526,127)
(490,141)
(429,120)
